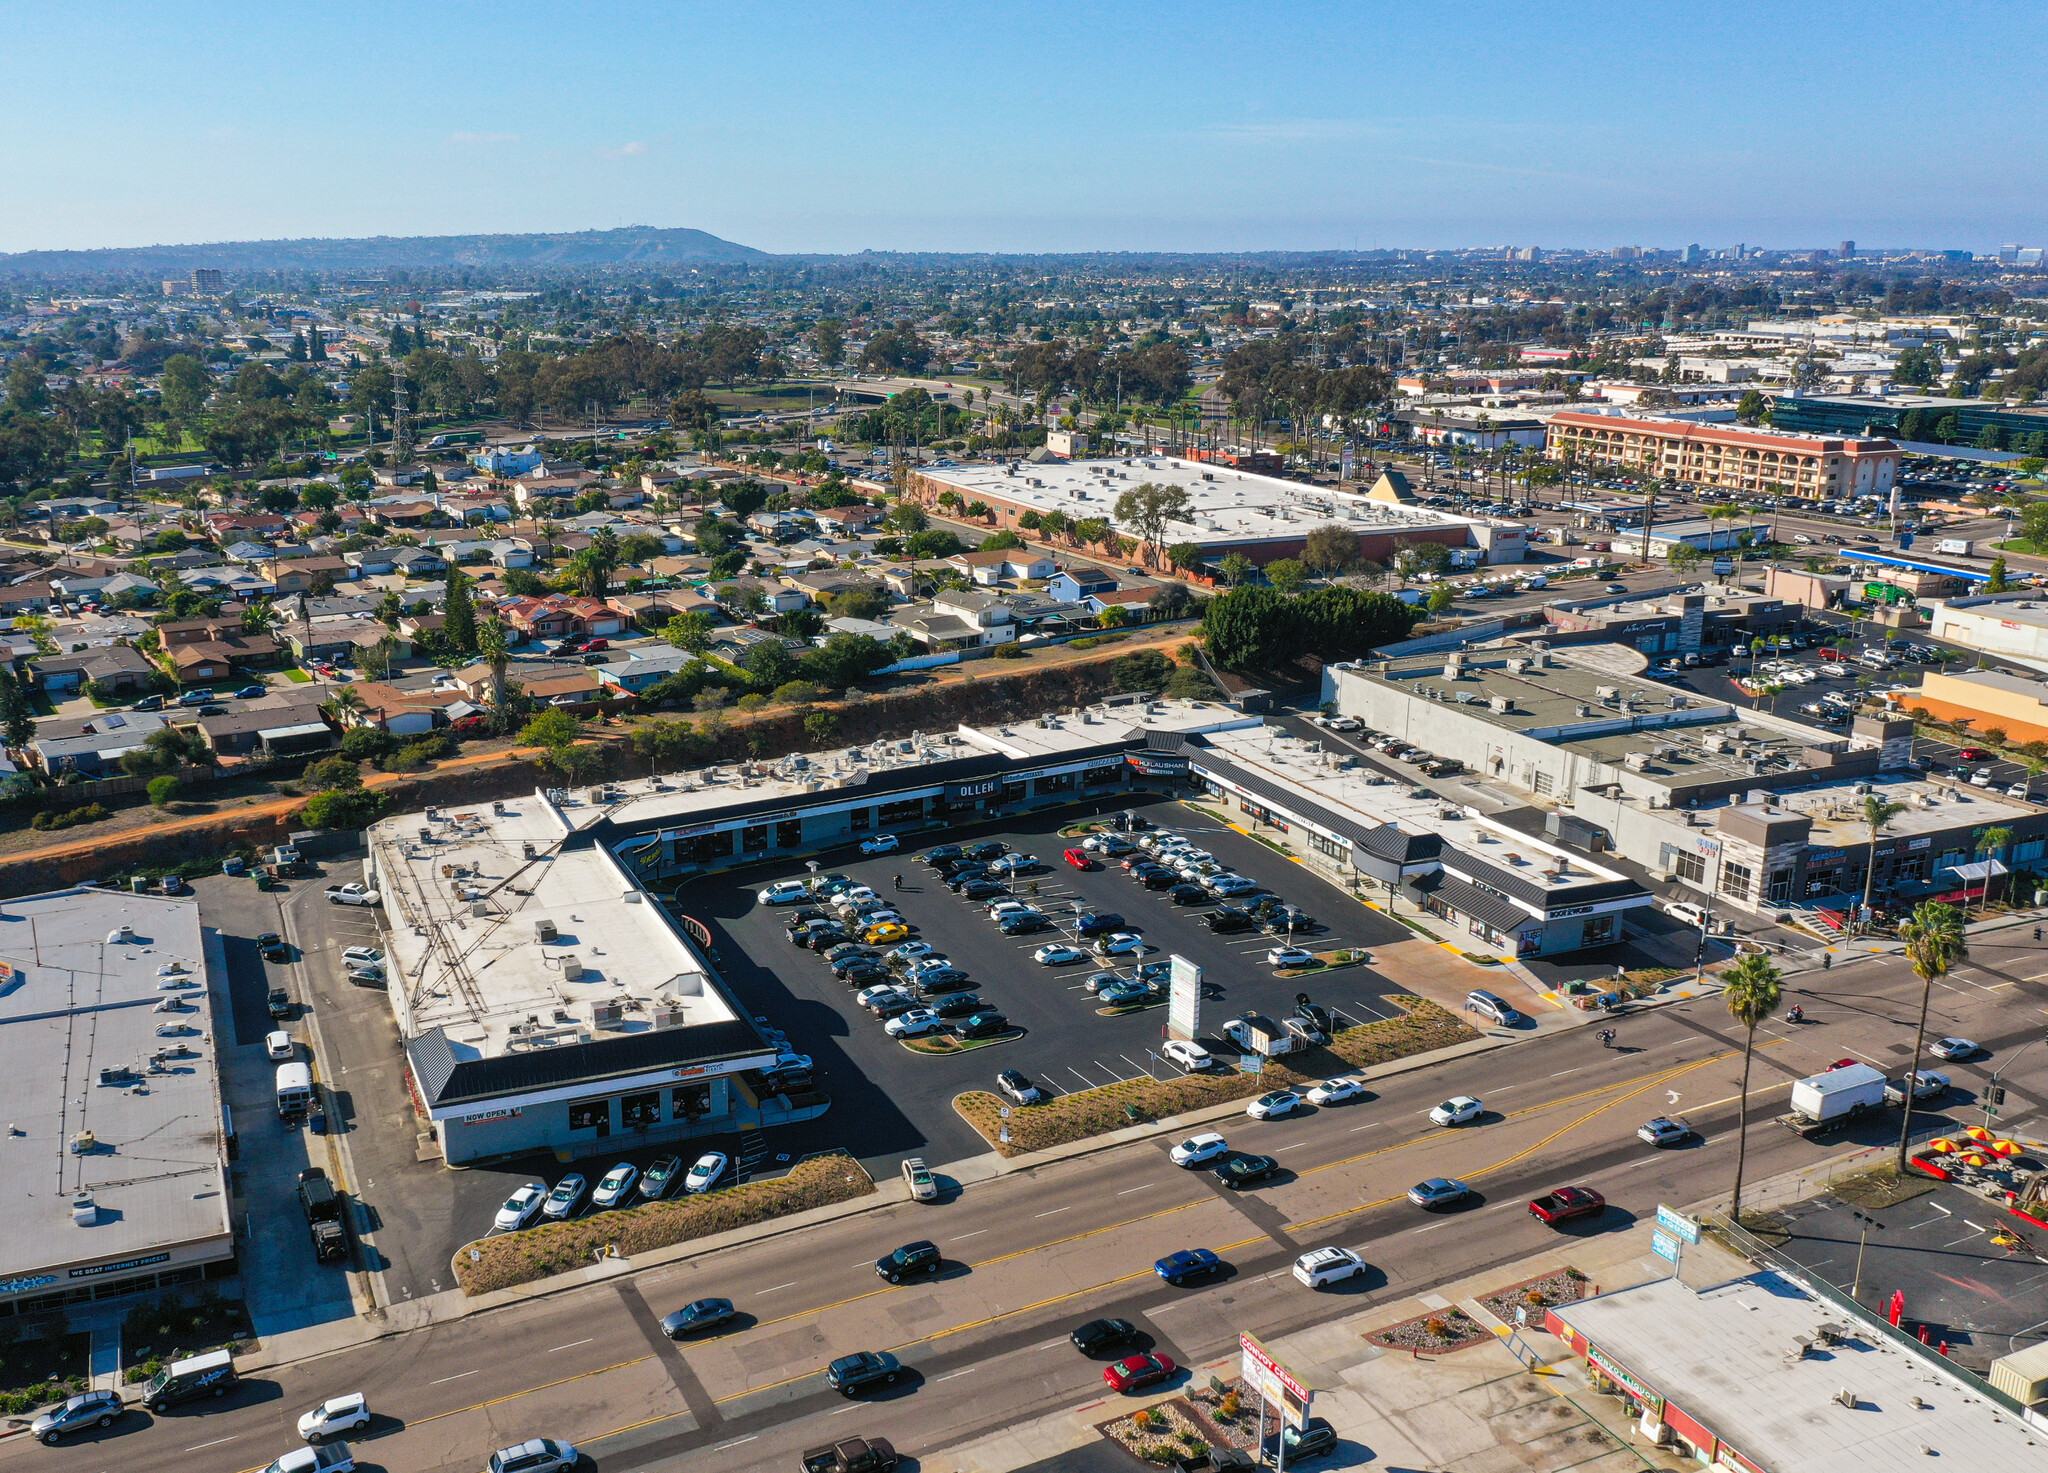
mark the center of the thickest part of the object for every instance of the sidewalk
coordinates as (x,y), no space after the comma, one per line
(1518,1403)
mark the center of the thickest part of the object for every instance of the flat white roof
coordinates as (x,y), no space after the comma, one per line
(1349,789)
(1729,1357)
(73,1004)
(1224,504)
(462,913)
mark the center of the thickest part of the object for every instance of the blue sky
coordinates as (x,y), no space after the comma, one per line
(1053,126)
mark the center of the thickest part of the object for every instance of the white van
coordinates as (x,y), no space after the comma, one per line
(1684,910)
(294,1089)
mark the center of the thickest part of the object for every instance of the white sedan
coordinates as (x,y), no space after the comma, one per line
(1290,956)
(1120,943)
(1272,1106)
(709,1168)
(1325,1266)
(1197,1149)
(1458,1110)
(520,1207)
(784,892)
(881,844)
(1058,956)
(913,1023)
(616,1184)
(1953,1048)
(1190,1056)
(334,1416)
(911,951)
(1334,1091)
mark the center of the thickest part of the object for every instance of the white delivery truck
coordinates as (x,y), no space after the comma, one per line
(1824,1101)
(1954,546)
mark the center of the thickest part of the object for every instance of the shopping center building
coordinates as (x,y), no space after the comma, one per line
(117,1140)
(1726,458)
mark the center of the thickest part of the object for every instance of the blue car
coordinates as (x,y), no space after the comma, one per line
(251,692)
(1124,994)
(1189,1263)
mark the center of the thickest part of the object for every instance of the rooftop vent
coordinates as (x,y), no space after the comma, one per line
(120,934)
(544,931)
(572,968)
(84,1211)
(1501,705)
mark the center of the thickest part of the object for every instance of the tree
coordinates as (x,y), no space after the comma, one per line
(845,659)
(934,543)
(1877,813)
(1235,568)
(552,728)
(1170,601)
(1684,557)
(163,791)
(343,808)
(1148,508)
(1440,598)
(1287,574)
(1140,670)
(1935,942)
(458,624)
(17,716)
(493,646)
(907,516)
(667,745)
(1752,994)
(821,727)
(1188,556)
(691,631)
(1998,582)
(1331,548)
(1750,408)
(1990,844)
(1250,629)
(345,705)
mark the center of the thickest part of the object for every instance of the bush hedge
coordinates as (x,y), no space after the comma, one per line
(71,818)
(538,1253)
(1422,1027)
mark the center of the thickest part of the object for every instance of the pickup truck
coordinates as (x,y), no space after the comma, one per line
(353,893)
(1566,1203)
(329,1457)
(323,1216)
(855,1455)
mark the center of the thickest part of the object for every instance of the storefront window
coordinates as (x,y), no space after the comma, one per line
(1013,792)
(641,1109)
(1335,848)
(789,833)
(590,1114)
(1059,782)
(1097,777)
(754,837)
(1599,930)
(860,819)
(689,1102)
(909,810)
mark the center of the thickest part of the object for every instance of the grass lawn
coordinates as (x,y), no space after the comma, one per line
(296,675)
(2023,545)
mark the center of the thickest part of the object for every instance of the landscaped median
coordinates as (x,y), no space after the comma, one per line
(1423,1027)
(511,1259)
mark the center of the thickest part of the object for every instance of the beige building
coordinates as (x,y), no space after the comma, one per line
(1990,700)
(1730,457)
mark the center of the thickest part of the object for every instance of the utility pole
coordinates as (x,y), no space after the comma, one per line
(401,429)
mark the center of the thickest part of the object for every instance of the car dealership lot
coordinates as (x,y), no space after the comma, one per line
(889,1101)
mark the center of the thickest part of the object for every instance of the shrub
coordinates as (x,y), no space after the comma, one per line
(750,702)
(1436,1327)
(1140,670)
(821,726)
(91,813)
(343,808)
(412,757)
(366,743)
(1010,651)
(798,692)
(332,772)
(163,791)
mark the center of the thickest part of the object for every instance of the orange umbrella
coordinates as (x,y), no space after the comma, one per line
(1941,1145)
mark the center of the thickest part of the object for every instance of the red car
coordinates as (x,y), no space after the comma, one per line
(1135,1372)
(1972,754)
(1842,1064)
(1565,1203)
(592,646)
(1079,858)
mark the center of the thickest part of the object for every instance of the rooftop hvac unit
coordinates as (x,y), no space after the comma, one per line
(120,934)
(1635,761)
(1517,667)
(526,850)
(479,907)
(572,968)
(544,931)
(1501,705)
(84,1211)
(607,1015)
(671,1016)
(1606,692)
(1584,711)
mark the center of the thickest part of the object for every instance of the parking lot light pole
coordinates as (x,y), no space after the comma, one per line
(1863,1236)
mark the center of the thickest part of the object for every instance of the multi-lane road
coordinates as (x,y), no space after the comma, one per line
(1033,1253)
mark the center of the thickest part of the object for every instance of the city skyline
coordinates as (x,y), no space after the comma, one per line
(829,130)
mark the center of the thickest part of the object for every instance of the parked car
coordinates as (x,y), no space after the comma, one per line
(92,1409)
(984,1025)
(914,1024)
(1190,1056)
(1058,956)
(881,844)
(1225,920)
(1290,956)
(274,950)
(784,892)
(1017,1088)
(965,1005)
(1491,1007)
(659,1177)
(520,1207)
(566,1197)
(1122,943)
(705,1172)
(1096,923)
(614,1190)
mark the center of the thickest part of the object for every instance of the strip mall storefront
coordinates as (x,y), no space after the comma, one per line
(1653,1409)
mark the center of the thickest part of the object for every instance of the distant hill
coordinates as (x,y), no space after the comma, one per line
(632,245)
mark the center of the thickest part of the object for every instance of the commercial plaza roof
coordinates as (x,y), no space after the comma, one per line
(109,1043)
(1917,565)
(1741,1359)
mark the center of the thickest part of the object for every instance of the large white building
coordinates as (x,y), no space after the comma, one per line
(115,1175)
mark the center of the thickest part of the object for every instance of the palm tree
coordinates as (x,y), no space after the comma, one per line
(490,641)
(345,704)
(1752,995)
(1935,942)
(1877,813)
(1988,844)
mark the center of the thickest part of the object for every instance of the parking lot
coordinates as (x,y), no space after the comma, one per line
(1985,1298)
(889,1101)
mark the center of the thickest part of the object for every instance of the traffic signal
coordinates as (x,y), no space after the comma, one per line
(1997,1093)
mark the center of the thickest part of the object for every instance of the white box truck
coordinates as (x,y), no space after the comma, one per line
(1954,546)
(1824,1101)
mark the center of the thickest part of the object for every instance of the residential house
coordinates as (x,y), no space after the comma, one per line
(373,562)
(1135,602)
(340,641)
(223,582)
(957,620)
(72,508)
(990,568)
(546,491)
(915,578)
(733,645)
(121,668)
(644,669)
(573,689)
(299,575)
(405,513)
(474,681)
(201,651)
(850,519)
(234,526)
(506,460)
(560,616)
(250,553)
(654,608)
(822,583)
(1033,613)
(870,628)
(419,562)
(26,598)
(1076,584)
(413,627)
(91,746)
(400,475)
(656,482)
(287,729)
(404,712)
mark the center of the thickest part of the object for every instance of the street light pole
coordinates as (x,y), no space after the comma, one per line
(1863,1236)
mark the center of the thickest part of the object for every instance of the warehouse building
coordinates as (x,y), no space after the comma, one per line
(1259,517)
(117,1146)
(2012,624)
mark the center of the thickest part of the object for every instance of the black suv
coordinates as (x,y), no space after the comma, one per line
(852,1374)
(984,889)
(1094,923)
(1188,895)
(1229,918)
(942,854)
(983,1025)
(1023,925)
(1315,1015)
(861,971)
(987,849)
(1157,877)
(279,1002)
(912,1258)
(966,1005)
(273,947)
